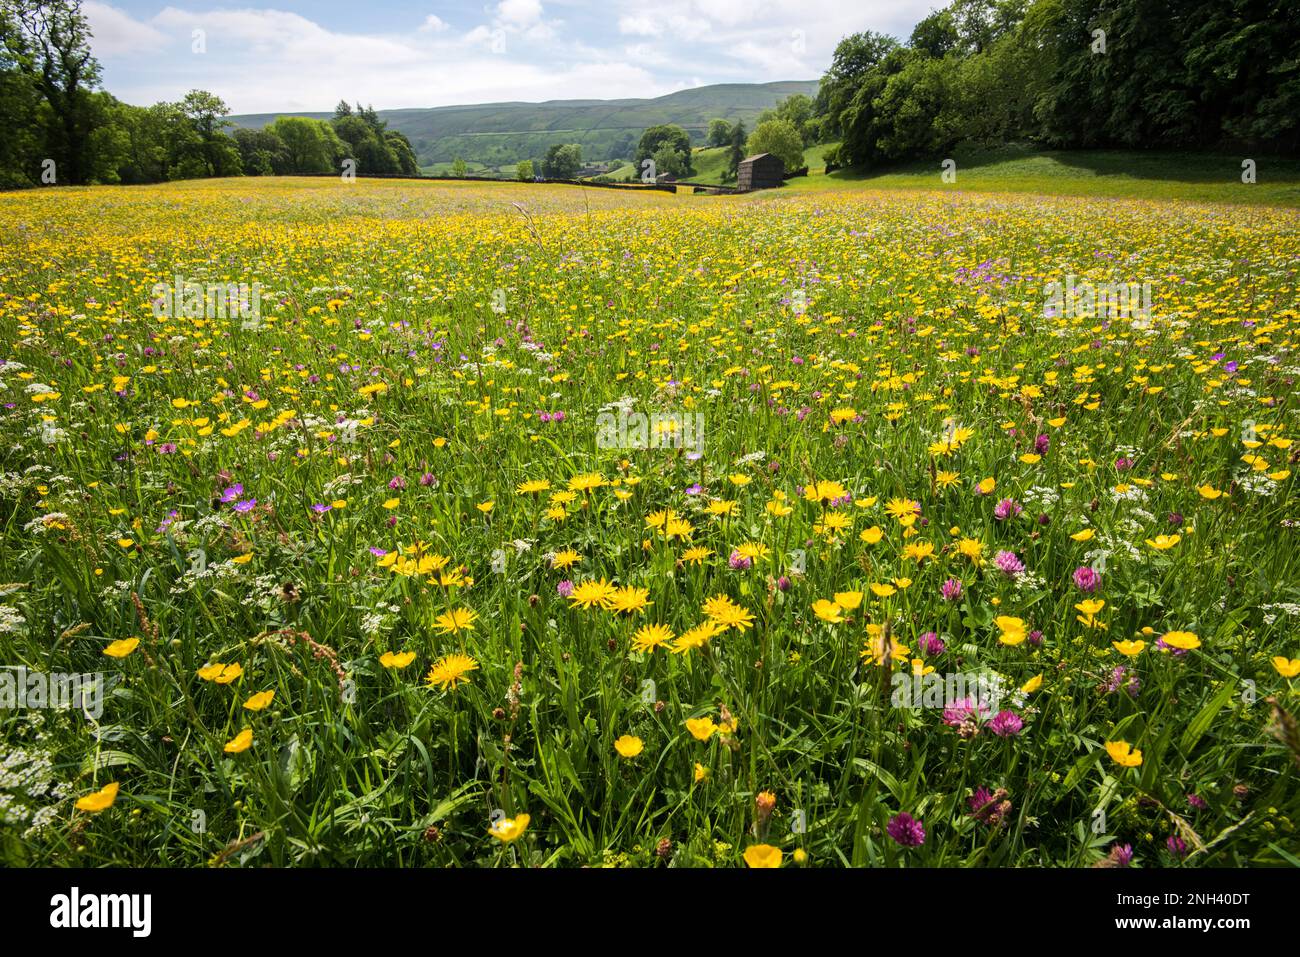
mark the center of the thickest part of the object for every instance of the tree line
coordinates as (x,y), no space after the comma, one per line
(1063,74)
(1069,74)
(59,128)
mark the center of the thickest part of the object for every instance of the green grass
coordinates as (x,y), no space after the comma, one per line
(1115,173)
(814,157)
(710,165)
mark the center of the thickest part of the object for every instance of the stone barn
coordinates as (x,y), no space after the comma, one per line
(762,171)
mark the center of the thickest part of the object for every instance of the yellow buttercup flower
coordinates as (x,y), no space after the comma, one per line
(396,659)
(507,829)
(763,855)
(1123,754)
(1183,640)
(240,742)
(100,800)
(828,611)
(629,746)
(221,674)
(701,729)
(1011,631)
(122,647)
(1090,606)
(848,600)
(1287,668)
(1129,648)
(259,701)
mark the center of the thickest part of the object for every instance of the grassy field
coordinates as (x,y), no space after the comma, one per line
(505,524)
(1118,174)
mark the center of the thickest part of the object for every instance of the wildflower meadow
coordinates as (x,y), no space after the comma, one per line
(456,524)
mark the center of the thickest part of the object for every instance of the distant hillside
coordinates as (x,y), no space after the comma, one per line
(502,134)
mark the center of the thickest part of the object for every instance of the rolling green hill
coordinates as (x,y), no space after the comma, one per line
(502,134)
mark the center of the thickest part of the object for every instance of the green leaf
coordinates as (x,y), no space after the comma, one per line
(1081,767)
(885,778)
(109,759)
(1201,723)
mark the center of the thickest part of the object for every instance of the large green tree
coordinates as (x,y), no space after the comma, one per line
(735,150)
(55,53)
(781,139)
(661,141)
(20,103)
(217,152)
(562,161)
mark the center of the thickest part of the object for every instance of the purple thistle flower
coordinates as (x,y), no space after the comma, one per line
(979,798)
(1122,679)
(931,644)
(906,830)
(1005,509)
(739,562)
(1009,564)
(964,712)
(988,807)
(1006,724)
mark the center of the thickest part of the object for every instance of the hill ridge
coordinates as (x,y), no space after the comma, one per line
(496,135)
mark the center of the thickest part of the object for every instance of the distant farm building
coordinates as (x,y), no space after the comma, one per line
(761,171)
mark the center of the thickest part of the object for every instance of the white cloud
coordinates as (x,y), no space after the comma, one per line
(117,34)
(268,60)
(519,13)
(640,26)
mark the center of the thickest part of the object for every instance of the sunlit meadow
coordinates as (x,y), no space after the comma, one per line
(525,525)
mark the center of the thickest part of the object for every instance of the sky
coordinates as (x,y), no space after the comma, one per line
(306,56)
